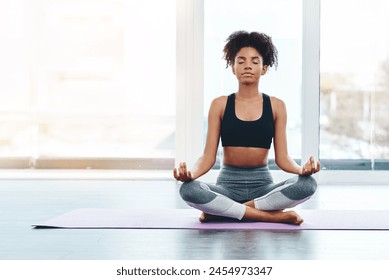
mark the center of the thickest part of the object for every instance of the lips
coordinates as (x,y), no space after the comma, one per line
(247,73)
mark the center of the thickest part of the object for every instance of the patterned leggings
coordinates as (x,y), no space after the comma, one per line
(236,185)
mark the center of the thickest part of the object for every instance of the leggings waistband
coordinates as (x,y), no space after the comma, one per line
(244,177)
(243,168)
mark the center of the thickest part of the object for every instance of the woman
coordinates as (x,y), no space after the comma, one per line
(246,122)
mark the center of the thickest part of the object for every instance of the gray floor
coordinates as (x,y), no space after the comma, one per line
(24,202)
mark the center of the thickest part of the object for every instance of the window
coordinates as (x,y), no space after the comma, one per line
(354,88)
(82,85)
(80,80)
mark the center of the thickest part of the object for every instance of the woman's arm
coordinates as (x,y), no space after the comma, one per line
(208,158)
(283,160)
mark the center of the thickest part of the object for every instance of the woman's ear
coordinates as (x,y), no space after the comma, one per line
(264,70)
(233,69)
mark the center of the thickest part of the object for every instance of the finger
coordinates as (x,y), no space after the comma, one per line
(312,163)
(181,168)
(318,166)
(178,174)
(307,163)
(175,173)
(190,175)
(185,168)
(307,169)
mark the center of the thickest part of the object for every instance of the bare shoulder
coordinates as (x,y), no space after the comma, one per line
(276,102)
(278,107)
(220,101)
(218,104)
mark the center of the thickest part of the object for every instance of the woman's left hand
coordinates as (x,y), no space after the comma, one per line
(310,167)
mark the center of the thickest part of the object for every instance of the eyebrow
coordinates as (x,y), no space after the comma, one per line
(243,57)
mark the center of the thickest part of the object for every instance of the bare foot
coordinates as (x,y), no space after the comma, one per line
(205,218)
(286,217)
(278,216)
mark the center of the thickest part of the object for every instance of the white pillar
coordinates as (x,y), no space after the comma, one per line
(310,79)
(190,80)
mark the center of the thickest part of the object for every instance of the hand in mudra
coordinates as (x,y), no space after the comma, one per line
(310,167)
(182,173)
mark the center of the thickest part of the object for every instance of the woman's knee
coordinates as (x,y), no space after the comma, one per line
(301,187)
(196,192)
(309,184)
(186,190)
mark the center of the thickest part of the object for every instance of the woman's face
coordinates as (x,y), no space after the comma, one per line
(248,66)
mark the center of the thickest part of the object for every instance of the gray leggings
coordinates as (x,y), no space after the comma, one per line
(236,185)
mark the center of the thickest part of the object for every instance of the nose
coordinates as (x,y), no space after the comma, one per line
(247,66)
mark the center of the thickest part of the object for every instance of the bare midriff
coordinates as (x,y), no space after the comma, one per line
(245,156)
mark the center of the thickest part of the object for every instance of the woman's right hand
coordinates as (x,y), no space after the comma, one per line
(182,174)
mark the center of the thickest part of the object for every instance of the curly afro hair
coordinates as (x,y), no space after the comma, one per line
(260,41)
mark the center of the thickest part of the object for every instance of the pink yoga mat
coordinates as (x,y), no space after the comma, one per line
(103,218)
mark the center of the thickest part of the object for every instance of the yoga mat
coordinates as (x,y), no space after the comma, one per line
(93,218)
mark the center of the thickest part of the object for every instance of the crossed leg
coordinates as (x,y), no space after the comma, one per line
(275,216)
(266,208)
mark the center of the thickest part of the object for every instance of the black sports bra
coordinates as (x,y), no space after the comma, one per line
(239,133)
